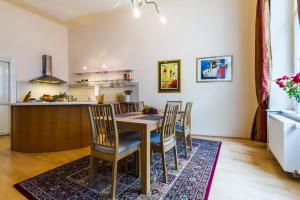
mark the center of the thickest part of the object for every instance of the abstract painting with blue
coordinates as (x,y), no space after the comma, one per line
(214,69)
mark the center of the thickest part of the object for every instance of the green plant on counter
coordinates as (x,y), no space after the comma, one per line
(60,96)
(128,92)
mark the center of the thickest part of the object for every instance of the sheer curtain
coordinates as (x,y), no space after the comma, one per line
(4,98)
(296,36)
(4,82)
(299,10)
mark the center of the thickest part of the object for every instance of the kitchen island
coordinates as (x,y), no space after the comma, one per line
(49,127)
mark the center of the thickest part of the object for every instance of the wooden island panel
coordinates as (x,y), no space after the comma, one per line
(49,128)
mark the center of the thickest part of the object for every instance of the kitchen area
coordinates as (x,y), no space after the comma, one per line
(52,115)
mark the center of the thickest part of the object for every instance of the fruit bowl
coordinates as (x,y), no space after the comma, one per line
(148,110)
(47,98)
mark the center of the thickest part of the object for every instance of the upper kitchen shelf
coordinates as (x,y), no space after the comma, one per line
(104,71)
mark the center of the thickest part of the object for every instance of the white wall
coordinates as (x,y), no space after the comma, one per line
(26,37)
(282,50)
(195,28)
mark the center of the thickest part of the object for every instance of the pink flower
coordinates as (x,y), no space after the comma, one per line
(285,78)
(296,79)
(279,79)
(280,84)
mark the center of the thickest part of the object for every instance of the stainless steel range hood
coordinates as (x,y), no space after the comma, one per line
(47,73)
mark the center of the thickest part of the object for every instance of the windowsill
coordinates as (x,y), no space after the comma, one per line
(291,114)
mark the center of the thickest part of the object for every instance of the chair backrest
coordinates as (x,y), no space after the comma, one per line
(169,122)
(117,108)
(135,106)
(139,106)
(187,115)
(179,103)
(131,107)
(104,127)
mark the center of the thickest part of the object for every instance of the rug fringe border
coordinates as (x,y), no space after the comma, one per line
(212,173)
(23,191)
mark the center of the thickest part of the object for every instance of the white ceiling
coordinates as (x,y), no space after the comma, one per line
(69,9)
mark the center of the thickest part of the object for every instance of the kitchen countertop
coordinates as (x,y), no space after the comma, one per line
(53,103)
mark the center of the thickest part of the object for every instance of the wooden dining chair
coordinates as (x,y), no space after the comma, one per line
(139,106)
(117,108)
(183,130)
(106,143)
(131,107)
(165,139)
(179,103)
(135,106)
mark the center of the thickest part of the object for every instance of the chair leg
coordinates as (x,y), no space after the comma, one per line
(164,162)
(137,163)
(185,147)
(114,179)
(92,169)
(191,145)
(151,157)
(175,157)
(140,161)
(126,166)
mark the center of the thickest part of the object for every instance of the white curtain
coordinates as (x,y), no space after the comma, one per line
(4,98)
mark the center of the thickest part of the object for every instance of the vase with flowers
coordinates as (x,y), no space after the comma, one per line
(291,85)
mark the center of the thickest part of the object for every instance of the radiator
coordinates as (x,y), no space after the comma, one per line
(284,141)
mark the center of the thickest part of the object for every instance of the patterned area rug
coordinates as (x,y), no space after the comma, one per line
(69,182)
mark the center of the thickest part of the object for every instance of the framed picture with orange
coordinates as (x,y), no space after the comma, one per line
(169,76)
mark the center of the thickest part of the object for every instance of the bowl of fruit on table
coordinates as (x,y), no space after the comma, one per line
(149,110)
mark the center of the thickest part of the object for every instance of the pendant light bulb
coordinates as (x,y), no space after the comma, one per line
(136,12)
(163,19)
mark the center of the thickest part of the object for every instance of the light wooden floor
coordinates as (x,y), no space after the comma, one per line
(245,171)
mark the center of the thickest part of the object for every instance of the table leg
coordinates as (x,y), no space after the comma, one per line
(145,160)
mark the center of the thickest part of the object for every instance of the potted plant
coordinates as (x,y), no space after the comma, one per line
(291,85)
(127,97)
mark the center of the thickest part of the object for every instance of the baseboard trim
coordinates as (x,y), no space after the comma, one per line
(216,136)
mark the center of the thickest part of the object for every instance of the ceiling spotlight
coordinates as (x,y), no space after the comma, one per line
(84,68)
(163,19)
(136,4)
(104,66)
(117,4)
(136,12)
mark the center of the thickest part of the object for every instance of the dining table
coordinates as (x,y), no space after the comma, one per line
(145,124)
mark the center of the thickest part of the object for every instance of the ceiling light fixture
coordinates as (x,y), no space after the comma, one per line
(137,12)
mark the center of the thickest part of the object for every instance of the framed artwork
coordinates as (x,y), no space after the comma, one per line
(169,76)
(214,69)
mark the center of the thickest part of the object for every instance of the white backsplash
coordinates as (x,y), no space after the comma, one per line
(110,94)
(37,90)
(81,94)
